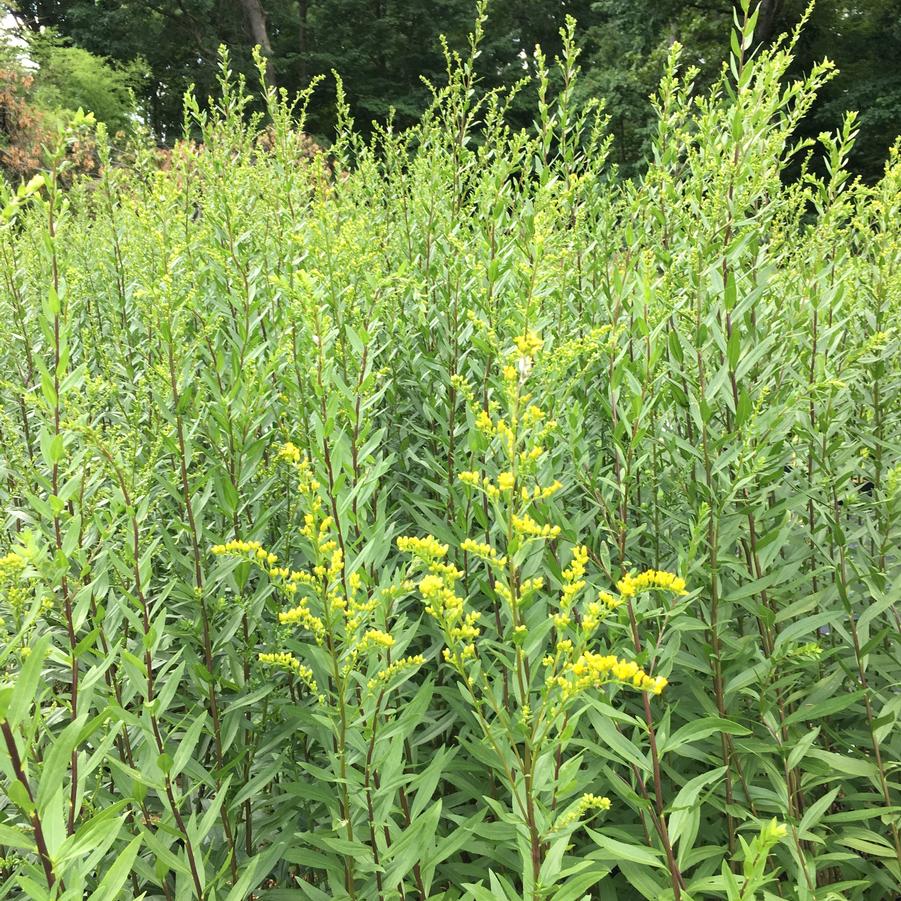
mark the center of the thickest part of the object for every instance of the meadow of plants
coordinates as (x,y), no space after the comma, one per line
(441,516)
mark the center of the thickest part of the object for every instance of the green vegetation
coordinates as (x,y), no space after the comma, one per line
(444,517)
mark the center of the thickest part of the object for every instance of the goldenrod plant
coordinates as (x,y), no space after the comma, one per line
(529,664)
(439,515)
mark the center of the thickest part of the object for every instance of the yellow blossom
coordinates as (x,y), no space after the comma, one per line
(428,547)
(630,585)
(405,664)
(528,344)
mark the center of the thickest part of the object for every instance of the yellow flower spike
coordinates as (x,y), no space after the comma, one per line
(473,479)
(405,664)
(289,452)
(526,525)
(528,344)
(376,638)
(588,803)
(631,585)
(484,423)
(506,481)
(592,670)
(429,547)
(610,601)
(551,490)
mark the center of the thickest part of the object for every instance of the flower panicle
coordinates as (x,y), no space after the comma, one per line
(288,662)
(398,667)
(588,804)
(630,585)
(251,550)
(592,670)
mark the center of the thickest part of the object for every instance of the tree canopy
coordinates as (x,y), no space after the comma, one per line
(385,49)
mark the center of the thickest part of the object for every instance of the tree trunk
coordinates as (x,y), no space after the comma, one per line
(256,19)
(770,10)
(303,11)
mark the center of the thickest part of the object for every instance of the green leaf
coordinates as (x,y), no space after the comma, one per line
(255,870)
(701,728)
(615,850)
(15,838)
(186,745)
(26,682)
(412,846)
(114,877)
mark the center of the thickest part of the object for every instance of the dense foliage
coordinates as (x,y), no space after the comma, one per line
(43,84)
(444,518)
(383,48)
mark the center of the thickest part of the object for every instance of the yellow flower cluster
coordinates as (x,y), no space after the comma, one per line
(252,549)
(284,660)
(289,452)
(586,804)
(308,487)
(483,551)
(592,670)
(428,547)
(527,588)
(630,585)
(528,344)
(395,669)
(525,525)
(358,607)
(539,492)
(469,477)
(533,416)
(11,566)
(507,435)
(484,423)
(443,604)
(333,567)
(505,483)
(597,610)
(376,638)
(302,616)
(573,576)
(583,349)
(289,579)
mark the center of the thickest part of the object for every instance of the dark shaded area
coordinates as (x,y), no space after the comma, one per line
(383,47)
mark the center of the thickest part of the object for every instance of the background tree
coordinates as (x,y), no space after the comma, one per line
(383,47)
(43,82)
